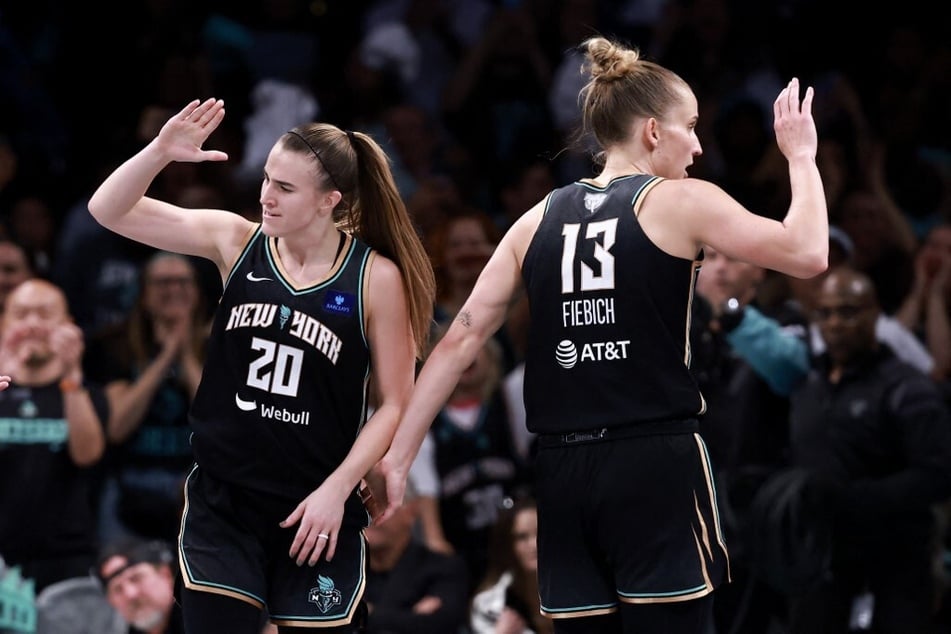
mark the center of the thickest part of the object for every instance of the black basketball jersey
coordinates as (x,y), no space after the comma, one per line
(284,389)
(608,343)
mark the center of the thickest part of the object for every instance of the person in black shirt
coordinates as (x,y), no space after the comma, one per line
(874,431)
(412,589)
(629,538)
(330,291)
(150,366)
(52,438)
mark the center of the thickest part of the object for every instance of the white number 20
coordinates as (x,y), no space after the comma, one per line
(277,369)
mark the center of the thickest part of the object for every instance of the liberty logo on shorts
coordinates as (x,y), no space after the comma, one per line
(325,595)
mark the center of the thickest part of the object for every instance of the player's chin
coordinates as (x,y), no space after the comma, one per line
(271,225)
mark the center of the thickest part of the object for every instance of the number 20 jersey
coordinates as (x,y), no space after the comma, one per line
(610,315)
(284,388)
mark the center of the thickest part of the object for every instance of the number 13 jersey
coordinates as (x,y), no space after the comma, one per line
(608,344)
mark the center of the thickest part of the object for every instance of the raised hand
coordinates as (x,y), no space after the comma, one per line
(67,340)
(793,123)
(182,136)
(13,352)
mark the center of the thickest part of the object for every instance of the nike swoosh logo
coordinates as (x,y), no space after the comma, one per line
(253,278)
(244,405)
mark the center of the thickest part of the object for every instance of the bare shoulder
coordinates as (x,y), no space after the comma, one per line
(383,288)
(383,270)
(229,233)
(687,193)
(520,234)
(687,201)
(385,279)
(678,214)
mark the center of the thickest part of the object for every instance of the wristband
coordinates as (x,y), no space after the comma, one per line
(69,385)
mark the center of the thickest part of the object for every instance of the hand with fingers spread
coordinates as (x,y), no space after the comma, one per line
(318,518)
(182,136)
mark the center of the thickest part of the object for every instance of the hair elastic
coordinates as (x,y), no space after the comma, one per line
(317,154)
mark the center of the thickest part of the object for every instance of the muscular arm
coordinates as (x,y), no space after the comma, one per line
(682,214)
(481,316)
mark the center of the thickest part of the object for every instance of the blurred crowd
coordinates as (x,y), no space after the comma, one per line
(475,103)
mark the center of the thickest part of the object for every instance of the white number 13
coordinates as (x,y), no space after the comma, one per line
(607,230)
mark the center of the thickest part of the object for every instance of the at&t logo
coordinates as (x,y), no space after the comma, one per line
(567,356)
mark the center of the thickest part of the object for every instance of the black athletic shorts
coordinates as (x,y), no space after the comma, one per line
(625,517)
(231,544)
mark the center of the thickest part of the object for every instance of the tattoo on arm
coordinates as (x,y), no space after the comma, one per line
(465,318)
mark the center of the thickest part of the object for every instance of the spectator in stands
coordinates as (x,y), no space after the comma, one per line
(53,438)
(138,578)
(150,365)
(926,309)
(412,589)
(874,431)
(15,267)
(460,248)
(506,599)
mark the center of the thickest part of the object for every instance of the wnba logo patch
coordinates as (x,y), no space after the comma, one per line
(339,302)
(325,596)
